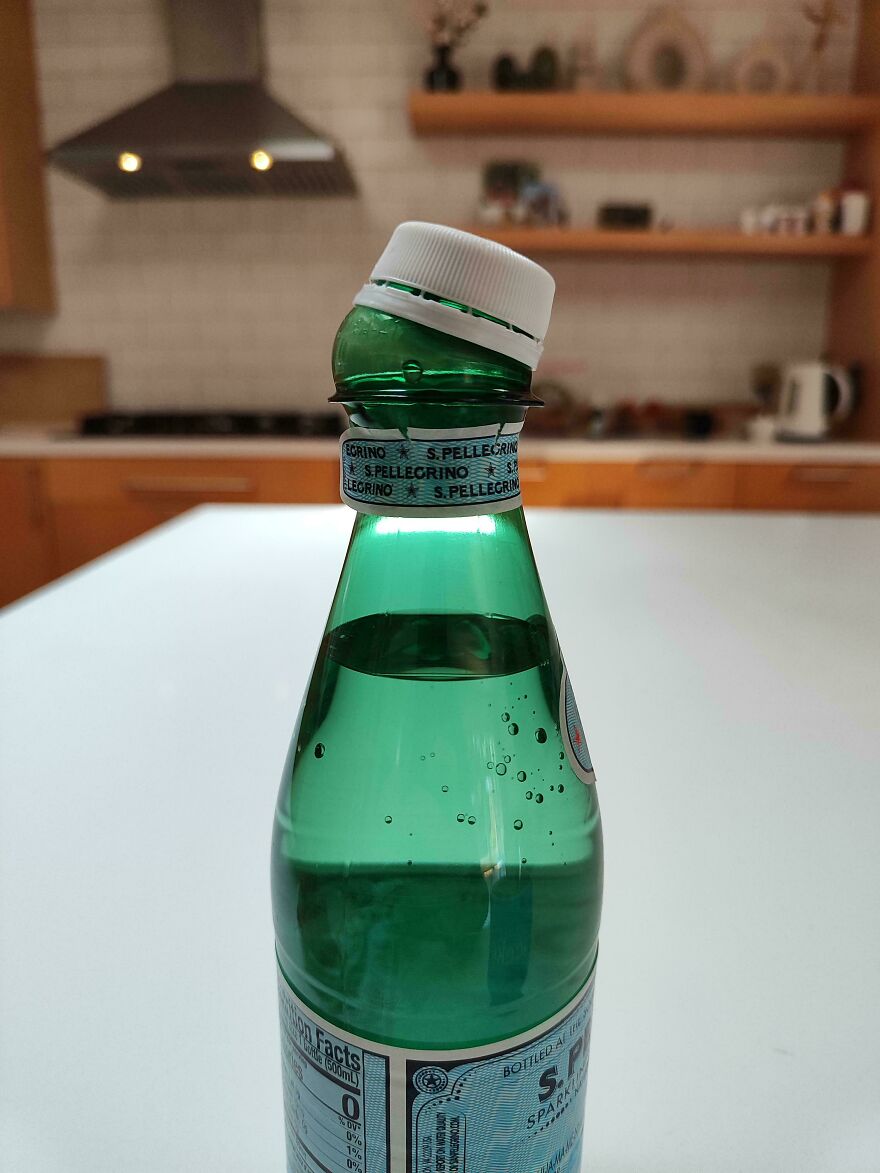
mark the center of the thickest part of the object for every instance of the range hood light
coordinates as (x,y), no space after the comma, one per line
(261,160)
(215,130)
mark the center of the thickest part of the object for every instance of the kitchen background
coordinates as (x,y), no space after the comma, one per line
(234,303)
(661,333)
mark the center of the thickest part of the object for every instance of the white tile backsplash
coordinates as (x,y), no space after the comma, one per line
(235,302)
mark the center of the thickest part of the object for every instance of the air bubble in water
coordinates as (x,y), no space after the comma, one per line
(388,818)
(541,735)
(539,798)
(471,820)
(445,789)
(412,371)
(459,818)
(501,768)
(528,794)
(517,824)
(513,728)
(320,750)
(561,788)
(507,758)
(505,716)
(421,757)
(522,775)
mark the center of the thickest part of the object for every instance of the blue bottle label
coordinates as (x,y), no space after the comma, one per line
(353,1106)
(573,736)
(458,472)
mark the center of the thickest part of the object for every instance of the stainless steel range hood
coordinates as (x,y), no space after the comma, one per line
(215,131)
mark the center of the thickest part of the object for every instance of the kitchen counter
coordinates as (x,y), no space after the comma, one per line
(728,667)
(40,444)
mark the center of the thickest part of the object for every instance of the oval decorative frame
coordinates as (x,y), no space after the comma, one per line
(762,56)
(666,32)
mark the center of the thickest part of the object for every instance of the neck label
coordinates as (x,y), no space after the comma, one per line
(459,472)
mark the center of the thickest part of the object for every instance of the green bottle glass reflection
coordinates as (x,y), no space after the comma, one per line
(437,851)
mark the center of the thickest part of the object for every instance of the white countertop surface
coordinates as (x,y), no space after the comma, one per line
(729,669)
(39,444)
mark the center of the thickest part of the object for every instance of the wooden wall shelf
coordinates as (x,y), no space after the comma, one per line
(472,112)
(676,242)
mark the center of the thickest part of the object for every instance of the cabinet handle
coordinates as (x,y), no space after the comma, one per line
(532,472)
(667,470)
(186,486)
(807,474)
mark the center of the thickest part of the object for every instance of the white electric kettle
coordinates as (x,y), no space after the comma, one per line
(813,394)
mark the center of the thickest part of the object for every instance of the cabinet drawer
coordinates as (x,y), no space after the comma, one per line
(176,484)
(98,504)
(600,485)
(305,482)
(816,487)
(681,484)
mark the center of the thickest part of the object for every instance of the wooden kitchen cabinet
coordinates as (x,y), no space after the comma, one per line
(26,281)
(60,512)
(815,487)
(307,482)
(576,485)
(27,556)
(681,484)
(99,504)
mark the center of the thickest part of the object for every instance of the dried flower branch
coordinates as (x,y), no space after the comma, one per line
(450,21)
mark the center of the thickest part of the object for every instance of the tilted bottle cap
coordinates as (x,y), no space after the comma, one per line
(505,298)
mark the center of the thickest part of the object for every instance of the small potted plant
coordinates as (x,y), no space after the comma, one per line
(449,22)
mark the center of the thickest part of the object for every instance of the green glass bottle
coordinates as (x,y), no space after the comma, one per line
(437,852)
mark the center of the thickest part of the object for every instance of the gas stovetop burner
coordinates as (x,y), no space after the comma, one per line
(213,423)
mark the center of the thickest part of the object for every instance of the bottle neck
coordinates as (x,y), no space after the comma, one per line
(430,465)
(480,564)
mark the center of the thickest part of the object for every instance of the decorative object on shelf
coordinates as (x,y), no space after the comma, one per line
(823,15)
(544,71)
(449,22)
(776,220)
(583,71)
(505,73)
(763,68)
(543,205)
(666,53)
(625,216)
(845,212)
(825,209)
(855,210)
(514,194)
(503,182)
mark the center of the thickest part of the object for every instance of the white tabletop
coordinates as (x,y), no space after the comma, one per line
(729,668)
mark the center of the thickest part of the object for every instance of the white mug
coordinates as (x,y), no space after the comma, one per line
(854,208)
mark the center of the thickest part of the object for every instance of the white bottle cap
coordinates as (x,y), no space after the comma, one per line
(479,274)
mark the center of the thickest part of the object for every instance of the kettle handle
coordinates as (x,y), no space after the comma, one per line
(845,395)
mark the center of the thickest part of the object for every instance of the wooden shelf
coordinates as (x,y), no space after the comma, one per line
(794,115)
(676,242)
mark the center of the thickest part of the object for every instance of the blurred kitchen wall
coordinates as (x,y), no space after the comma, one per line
(233,302)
